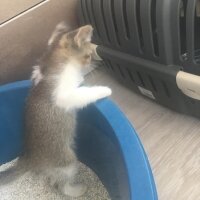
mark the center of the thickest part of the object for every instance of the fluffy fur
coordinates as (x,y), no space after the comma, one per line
(36,76)
(51,108)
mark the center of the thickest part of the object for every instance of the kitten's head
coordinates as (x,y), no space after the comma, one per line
(74,45)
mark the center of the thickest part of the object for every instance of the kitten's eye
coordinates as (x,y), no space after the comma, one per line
(88,56)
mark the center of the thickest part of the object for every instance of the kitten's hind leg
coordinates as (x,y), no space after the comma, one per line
(62,179)
(75,190)
(69,189)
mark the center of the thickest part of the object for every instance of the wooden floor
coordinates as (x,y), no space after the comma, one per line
(171,140)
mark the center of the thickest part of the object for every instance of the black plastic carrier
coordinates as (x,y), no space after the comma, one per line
(145,43)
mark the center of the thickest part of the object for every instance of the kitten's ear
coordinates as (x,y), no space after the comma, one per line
(61,27)
(83,35)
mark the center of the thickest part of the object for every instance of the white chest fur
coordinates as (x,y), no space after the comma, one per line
(69,95)
(67,83)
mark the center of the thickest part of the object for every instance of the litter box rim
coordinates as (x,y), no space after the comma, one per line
(141,181)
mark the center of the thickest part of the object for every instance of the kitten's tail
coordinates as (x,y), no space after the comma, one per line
(13,172)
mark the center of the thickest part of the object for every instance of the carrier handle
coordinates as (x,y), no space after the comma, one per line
(189,84)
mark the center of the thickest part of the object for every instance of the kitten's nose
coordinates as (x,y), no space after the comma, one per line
(95,55)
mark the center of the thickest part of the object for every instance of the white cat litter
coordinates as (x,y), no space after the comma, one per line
(29,187)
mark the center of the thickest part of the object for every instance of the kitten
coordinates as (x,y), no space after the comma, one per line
(56,95)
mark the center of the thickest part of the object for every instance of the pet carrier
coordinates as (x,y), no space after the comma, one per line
(153,46)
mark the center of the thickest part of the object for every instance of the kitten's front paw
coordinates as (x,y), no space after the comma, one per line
(108,91)
(104,92)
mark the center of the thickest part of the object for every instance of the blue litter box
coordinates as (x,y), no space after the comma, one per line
(106,142)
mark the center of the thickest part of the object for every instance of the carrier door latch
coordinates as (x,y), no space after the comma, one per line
(189,84)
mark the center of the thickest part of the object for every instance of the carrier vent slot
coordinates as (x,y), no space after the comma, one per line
(114,20)
(105,62)
(85,15)
(126,19)
(140,78)
(154,27)
(152,83)
(111,66)
(183,29)
(88,10)
(111,21)
(197,33)
(104,19)
(139,25)
(121,71)
(88,5)
(82,12)
(166,90)
(94,17)
(198,8)
(130,75)
(191,23)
